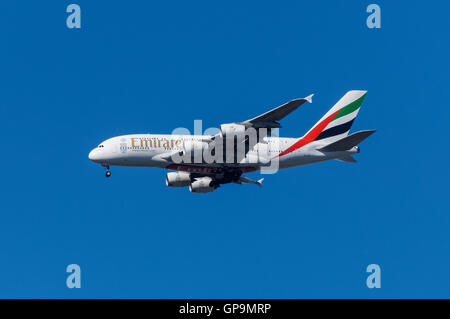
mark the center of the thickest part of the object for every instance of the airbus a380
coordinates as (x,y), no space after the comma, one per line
(328,139)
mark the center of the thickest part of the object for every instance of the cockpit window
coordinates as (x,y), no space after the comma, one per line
(100,146)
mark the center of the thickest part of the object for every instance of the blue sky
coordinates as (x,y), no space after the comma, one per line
(139,67)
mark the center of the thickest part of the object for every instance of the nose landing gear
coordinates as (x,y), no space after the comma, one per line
(108,172)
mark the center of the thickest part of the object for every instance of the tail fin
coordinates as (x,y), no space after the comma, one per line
(336,123)
(348,142)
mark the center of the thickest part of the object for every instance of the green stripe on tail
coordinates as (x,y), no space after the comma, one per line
(350,108)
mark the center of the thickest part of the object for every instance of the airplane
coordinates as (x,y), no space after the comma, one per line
(328,139)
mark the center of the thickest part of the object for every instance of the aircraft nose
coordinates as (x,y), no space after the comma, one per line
(93,155)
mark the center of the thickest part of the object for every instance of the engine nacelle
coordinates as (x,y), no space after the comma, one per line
(233,130)
(178,179)
(202,185)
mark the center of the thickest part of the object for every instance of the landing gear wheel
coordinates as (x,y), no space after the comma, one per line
(108,174)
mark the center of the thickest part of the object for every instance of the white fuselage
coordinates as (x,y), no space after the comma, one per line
(204,162)
(154,150)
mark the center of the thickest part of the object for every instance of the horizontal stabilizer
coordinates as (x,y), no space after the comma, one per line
(346,158)
(347,142)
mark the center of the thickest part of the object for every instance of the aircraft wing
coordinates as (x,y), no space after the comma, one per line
(270,119)
(267,120)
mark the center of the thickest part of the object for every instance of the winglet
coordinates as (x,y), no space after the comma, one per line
(309,98)
(247,180)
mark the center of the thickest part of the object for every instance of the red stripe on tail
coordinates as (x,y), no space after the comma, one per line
(311,136)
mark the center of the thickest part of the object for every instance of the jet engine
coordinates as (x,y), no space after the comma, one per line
(178,179)
(202,185)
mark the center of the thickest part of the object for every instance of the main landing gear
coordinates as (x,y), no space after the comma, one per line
(108,172)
